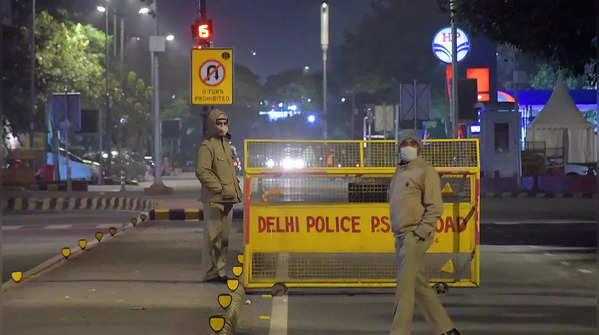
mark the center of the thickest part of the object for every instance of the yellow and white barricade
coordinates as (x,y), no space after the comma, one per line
(317,215)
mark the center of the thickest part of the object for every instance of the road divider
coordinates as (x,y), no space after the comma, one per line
(33,203)
(66,254)
(193,214)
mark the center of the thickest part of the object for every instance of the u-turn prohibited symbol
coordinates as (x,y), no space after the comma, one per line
(212,73)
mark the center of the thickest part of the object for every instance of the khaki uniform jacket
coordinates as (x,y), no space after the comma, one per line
(415,202)
(215,168)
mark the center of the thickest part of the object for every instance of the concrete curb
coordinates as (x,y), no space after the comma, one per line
(76,252)
(540,195)
(186,214)
(16,204)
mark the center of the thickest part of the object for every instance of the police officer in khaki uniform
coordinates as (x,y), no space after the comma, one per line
(415,207)
(220,190)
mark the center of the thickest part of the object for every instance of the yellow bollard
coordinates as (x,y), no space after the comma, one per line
(99,236)
(134,221)
(232,284)
(66,252)
(237,270)
(224,300)
(17,276)
(217,323)
(112,231)
(82,243)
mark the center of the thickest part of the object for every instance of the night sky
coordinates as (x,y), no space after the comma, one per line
(284,34)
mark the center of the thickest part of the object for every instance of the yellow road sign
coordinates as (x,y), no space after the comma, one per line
(212,76)
(447,190)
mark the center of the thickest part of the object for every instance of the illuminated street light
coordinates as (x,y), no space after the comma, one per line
(311,118)
(144,11)
(170,37)
(101,9)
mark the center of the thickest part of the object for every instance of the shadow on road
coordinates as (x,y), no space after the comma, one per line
(556,234)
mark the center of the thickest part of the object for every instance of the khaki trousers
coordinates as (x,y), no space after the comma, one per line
(413,287)
(218,218)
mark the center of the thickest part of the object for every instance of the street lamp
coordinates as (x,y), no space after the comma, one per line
(144,11)
(170,37)
(101,9)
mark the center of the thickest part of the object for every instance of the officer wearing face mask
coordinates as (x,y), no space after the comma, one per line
(415,206)
(220,190)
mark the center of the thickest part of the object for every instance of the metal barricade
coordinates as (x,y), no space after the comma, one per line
(317,214)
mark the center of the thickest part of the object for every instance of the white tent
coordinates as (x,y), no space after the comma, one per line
(561,125)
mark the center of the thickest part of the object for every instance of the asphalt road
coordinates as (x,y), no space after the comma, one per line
(536,278)
(145,281)
(29,240)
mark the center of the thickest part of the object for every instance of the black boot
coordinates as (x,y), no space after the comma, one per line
(452,332)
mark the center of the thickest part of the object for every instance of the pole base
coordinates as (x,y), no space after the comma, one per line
(158,189)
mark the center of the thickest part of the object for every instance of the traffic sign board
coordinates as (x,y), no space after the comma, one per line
(212,76)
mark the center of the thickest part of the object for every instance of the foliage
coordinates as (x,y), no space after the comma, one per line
(546,76)
(387,48)
(133,103)
(560,32)
(68,57)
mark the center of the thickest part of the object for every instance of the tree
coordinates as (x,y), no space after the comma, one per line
(389,46)
(68,56)
(546,76)
(560,32)
(133,103)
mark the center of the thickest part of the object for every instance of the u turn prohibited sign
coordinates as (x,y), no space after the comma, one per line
(212,76)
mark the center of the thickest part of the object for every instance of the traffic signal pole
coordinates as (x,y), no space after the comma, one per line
(205,109)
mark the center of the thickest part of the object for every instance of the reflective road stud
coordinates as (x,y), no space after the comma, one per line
(82,243)
(99,236)
(66,252)
(112,231)
(237,270)
(224,300)
(17,276)
(232,284)
(217,323)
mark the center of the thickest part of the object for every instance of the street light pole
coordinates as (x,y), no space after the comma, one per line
(156,104)
(324,42)
(454,73)
(32,77)
(107,103)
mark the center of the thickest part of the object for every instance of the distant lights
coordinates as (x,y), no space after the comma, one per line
(343,99)
(101,9)
(311,118)
(144,10)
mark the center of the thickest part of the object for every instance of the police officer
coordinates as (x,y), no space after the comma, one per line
(415,207)
(220,190)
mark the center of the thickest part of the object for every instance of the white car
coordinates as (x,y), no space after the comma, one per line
(81,169)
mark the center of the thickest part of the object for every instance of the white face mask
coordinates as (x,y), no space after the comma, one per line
(407,154)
